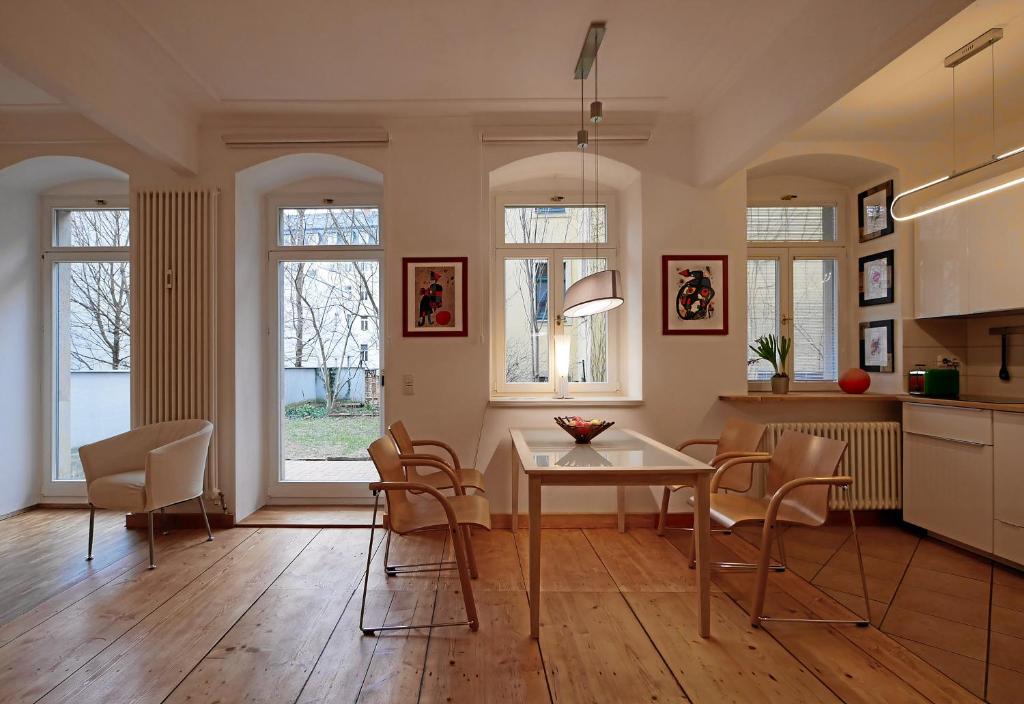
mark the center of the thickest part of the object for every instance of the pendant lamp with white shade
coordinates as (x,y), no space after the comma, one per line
(601,291)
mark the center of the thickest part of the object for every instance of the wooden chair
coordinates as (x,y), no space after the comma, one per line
(739,438)
(434,511)
(468,477)
(801,471)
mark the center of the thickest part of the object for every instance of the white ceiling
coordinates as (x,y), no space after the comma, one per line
(457,56)
(16,92)
(743,72)
(912,97)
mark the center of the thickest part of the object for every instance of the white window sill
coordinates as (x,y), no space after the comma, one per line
(575,402)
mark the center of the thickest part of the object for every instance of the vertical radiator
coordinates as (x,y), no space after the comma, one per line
(174,335)
(873,458)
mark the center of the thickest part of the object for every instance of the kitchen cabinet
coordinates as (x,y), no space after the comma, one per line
(1008,486)
(967,258)
(995,250)
(948,472)
(940,267)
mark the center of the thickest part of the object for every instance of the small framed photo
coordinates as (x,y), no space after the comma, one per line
(877,283)
(874,212)
(694,294)
(876,346)
(435,297)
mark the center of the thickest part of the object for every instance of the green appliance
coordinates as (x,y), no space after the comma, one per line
(942,382)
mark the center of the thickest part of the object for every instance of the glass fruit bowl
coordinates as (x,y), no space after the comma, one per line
(583,430)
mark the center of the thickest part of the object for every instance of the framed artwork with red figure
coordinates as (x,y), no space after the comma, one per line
(695,294)
(435,297)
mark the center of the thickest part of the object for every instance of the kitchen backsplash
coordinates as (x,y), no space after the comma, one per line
(968,340)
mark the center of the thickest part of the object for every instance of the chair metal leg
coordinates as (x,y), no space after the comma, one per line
(472,621)
(206,520)
(782,547)
(152,563)
(163,521)
(92,522)
(757,619)
(412,567)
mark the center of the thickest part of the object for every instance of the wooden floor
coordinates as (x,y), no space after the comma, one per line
(271,614)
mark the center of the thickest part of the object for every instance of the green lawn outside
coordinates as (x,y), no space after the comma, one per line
(313,436)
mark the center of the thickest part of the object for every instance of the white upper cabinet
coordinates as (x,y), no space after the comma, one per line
(940,271)
(995,251)
(968,258)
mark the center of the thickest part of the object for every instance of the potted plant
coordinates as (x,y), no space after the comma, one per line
(774,350)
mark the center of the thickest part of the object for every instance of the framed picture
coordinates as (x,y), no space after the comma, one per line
(434,297)
(877,283)
(874,212)
(876,346)
(694,294)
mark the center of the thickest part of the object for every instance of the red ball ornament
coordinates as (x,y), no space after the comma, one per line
(855,381)
(443,317)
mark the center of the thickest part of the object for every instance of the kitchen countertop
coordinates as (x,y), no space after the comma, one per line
(986,405)
(798,396)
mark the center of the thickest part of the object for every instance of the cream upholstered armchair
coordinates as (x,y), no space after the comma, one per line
(147,469)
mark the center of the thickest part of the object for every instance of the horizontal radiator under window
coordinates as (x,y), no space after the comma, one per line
(873,457)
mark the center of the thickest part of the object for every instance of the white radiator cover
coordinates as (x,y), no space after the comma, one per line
(873,458)
(174,312)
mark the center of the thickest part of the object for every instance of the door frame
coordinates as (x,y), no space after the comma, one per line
(277,488)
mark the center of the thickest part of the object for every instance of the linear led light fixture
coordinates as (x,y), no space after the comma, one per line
(965,52)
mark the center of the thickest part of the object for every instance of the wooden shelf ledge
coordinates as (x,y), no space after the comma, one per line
(798,396)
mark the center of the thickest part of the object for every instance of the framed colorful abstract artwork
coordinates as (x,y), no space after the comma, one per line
(874,212)
(877,346)
(694,294)
(435,297)
(877,283)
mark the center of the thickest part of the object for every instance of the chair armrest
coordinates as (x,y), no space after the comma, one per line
(434,461)
(732,454)
(780,493)
(174,472)
(443,445)
(760,458)
(121,453)
(414,486)
(697,441)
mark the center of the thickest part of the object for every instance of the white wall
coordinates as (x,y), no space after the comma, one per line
(435,175)
(21,346)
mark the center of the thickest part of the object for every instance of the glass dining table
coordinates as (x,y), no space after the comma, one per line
(618,457)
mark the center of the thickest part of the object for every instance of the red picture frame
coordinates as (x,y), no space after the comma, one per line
(719,267)
(412,298)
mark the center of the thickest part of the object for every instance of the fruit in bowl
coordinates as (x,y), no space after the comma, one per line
(583,430)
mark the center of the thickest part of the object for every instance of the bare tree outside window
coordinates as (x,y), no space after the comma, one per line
(330,335)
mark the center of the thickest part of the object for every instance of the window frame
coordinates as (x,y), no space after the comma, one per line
(555,253)
(786,252)
(276,254)
(51,256)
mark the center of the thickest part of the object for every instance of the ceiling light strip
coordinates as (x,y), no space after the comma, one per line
(961,199)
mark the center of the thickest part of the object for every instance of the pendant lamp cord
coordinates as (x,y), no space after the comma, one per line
(992,54)
(954,120)
(597,166)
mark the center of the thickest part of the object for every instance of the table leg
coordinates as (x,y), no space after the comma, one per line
(515,488)
(535,557)
(702,536)
(621,505)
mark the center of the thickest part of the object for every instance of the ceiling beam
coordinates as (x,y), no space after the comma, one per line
(108,70)
(809,68)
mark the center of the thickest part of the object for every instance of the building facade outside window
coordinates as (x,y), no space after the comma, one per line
(795,258)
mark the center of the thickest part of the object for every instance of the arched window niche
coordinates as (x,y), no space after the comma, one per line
(549,226)
(64,264)
(269,196)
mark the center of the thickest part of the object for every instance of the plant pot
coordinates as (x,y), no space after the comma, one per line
(780,384)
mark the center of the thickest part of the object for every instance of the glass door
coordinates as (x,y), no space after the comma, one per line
(328,367)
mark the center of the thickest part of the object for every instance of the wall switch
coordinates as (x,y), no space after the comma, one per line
(408,385)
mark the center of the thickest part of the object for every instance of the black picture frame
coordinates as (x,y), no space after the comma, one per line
(869,267)
(868,331)
(863,221)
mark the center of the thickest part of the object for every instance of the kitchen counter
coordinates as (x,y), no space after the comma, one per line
(798,396)
(986,405)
